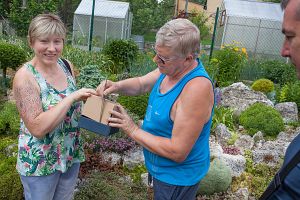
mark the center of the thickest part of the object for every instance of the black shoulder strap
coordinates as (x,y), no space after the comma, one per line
(279,177)
(67,65)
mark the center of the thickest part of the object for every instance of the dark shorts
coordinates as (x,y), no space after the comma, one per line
(165,191)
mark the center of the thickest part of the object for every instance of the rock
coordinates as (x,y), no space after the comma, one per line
(133,158)
(222,133)
(144,178)
(288,111)
(242,194)
(244,142)
(236,163)
(259,136)
(239,97)
(112,158)
(268,157)
(11,150)
(215,150)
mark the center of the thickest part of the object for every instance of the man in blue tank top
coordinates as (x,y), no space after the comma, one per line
(290,187)
(176,127)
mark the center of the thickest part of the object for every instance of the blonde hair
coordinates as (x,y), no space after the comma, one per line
(44,25)
(181,35)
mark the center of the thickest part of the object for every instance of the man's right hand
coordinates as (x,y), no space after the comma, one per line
(106,87)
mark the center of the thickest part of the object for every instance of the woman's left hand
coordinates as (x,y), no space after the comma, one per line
(122,120)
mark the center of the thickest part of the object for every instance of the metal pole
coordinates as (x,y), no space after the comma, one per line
(92,26)
(214,34)
(176,8)
(186,8)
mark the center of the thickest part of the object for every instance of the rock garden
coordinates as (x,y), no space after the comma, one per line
(255,119)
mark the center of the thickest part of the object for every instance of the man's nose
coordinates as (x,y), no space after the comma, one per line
(285,50)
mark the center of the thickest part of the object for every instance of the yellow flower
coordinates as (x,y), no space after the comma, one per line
(244,50)
(236,49)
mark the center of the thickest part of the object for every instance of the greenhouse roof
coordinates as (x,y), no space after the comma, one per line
(103,8)
(254,9)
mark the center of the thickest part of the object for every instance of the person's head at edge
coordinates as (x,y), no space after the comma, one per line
(46,36)
(291,30)
(177,41)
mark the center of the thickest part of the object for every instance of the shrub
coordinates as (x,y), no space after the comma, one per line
(122,53)
(279,72)
(233,138)
(9,119)
(136,172)
(10,184)
(109,186)
(218,178)
(252,70)
(223,115)
(135,104)
(120,145)
(11,56)
(260,117)
(81,58)
(143,65)
(290,93)
(90,76)
(227,63)
(200,19)
(263,85)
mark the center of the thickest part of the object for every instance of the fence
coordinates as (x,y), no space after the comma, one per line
(95,24)
(261,37)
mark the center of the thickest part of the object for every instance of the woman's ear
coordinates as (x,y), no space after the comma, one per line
(29,42)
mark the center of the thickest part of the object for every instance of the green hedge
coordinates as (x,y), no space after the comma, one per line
(10,184)
(260,117)
(9,119)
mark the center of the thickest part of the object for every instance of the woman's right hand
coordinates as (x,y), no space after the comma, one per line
(106,87)
(83,94)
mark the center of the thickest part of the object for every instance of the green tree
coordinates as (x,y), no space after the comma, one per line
(11,56)
(201,21)
(4,8)
(165,12)
(149,14)
(20,17)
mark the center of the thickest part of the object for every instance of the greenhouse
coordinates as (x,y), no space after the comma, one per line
(112,20)
(251,24)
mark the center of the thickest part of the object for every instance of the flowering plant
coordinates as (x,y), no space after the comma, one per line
(227,62)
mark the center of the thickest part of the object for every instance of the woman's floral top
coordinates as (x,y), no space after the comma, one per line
(62,147)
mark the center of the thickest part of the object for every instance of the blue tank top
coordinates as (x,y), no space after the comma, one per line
(157,121)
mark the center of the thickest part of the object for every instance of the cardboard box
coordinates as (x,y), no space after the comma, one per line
(95,114)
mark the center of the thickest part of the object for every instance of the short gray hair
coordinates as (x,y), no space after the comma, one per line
(181,35)
(44,25)
(284,4)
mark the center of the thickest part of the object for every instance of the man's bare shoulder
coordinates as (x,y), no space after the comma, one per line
(198,85)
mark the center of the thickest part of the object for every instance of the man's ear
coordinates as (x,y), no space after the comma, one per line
(190,57)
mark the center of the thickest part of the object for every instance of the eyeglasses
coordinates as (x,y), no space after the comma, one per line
(162,59)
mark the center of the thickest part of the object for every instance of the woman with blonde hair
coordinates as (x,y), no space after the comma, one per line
(50,146)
